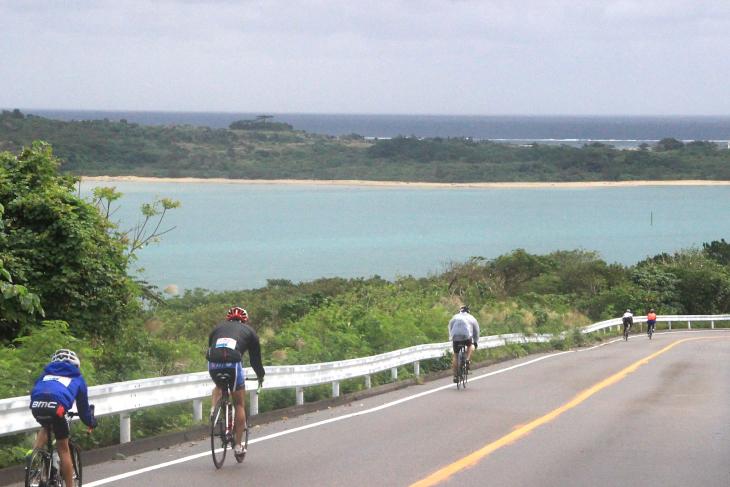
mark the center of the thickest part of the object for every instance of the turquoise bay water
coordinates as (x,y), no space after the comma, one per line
(236,236)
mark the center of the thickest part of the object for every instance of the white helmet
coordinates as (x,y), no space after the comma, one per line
(67,356)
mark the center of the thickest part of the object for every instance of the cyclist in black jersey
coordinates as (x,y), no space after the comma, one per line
(228,342)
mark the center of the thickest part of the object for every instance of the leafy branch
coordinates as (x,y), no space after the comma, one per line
(144,232)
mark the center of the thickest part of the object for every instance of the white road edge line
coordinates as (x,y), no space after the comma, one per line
(601,345)
(319,423)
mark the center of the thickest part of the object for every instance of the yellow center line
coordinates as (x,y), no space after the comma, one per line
(472,459)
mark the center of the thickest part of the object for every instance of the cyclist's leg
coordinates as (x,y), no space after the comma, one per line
(239,402)
(469,351)
(62,431)
(41,438)
(64,456)
(455,361)
(217,393)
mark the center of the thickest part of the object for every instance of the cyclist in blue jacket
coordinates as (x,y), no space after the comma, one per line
(54,393)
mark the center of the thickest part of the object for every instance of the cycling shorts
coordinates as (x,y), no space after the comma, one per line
(459,343)
(50,413)
(237,378)
(651,322)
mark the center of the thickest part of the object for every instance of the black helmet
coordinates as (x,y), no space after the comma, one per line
(464,308)
(651,310)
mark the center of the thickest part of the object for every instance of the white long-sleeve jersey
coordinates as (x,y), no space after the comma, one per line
(463,326)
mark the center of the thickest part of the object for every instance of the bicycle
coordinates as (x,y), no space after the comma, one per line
(462,369)
(42,468)
(223,423)
(650,330)
(627,329)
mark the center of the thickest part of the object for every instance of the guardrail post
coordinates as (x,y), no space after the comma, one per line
(670,324)
(394,373)
(416,368)
(198,410)
(712,324)
(300,396)
(368,384)
(253,405)
(125,428)
(641,327)
(336,388)
(689,325)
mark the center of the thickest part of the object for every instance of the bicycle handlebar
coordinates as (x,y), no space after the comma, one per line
(257,379)
(71,414)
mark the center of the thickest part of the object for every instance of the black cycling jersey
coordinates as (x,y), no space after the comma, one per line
(246,339)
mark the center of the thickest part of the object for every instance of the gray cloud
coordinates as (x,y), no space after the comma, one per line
(428,56)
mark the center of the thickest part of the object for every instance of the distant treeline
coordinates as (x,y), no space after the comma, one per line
(263,149)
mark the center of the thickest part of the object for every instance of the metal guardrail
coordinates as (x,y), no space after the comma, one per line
(122,398)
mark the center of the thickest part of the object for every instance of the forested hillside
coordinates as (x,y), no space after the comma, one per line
(271,150)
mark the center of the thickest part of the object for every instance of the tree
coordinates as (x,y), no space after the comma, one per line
(518,267)
(16,303)
(718,251)
(668,144)
(59,247)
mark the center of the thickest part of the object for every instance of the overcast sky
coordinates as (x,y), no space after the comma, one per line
(501,57)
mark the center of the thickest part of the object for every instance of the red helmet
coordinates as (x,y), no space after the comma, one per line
(237,314)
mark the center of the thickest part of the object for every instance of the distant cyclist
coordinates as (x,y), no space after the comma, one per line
(463,331)
(54,393)
(628,320)
(228,342)
(650,322)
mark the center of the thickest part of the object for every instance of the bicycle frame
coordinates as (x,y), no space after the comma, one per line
(461,370)
(46,468)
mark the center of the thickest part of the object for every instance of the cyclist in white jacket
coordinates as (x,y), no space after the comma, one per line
(463,331)
(628,320)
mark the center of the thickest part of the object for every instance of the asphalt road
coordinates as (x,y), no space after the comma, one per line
(664,422)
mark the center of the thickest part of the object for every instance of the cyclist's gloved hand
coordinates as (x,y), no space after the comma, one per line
(94,423)
(476,345)
(261,383)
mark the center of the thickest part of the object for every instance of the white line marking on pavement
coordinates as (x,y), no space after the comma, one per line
(319,423)
(602,344)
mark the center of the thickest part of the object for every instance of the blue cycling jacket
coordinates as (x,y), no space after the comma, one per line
(63,383)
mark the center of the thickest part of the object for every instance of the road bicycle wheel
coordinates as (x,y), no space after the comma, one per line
(464,373)
(626,333)
(76,462)
(218,439)
(38,468)
(244,442)
(458,372)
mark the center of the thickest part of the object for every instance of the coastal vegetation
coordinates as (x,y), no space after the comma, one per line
(67,283)
(263,149)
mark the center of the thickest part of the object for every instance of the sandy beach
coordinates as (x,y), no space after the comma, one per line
(348,182)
